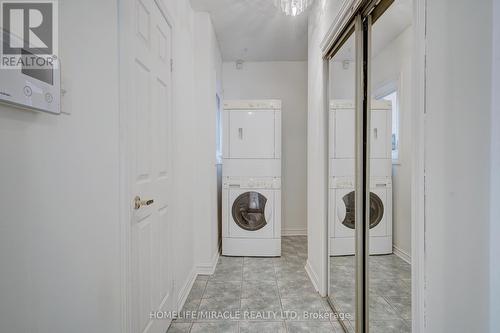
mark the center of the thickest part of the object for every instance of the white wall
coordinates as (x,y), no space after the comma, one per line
(287,81)
(186,145)
(59,227)
(457,149)
(208,71)
(342,79)
(394,63)
(495,176)
(184,124)
(321,15)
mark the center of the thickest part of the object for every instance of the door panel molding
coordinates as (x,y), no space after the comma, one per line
(127,29)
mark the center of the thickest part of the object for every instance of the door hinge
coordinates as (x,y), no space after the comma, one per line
(171,64)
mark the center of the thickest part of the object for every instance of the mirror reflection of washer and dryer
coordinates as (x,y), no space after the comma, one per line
(251,189)
(342,172)
(251,195)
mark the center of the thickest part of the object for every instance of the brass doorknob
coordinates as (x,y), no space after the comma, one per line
(138,203)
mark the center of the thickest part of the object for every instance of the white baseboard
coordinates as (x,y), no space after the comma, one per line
(312,276)
(402,254)
(186,288)
(208,268)
(203,269)
(294,232)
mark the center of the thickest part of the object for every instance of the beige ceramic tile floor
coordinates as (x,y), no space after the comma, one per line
(260,285)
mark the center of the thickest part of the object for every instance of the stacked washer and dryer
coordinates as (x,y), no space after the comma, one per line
(251,176)
(342,174)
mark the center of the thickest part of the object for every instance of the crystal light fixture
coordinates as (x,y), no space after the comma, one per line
(292,7)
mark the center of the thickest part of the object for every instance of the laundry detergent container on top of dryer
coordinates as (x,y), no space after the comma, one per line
(251,189)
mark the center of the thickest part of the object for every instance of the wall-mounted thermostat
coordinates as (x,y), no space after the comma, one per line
(32,88)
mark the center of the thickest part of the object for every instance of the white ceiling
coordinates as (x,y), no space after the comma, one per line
(391,24)
(255,30)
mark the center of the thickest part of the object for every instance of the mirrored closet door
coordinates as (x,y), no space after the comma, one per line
(341,189)
(389,86)
(369,277)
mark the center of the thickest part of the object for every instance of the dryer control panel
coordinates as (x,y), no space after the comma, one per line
(252,182)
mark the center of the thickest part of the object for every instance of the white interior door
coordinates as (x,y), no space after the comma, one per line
(149,126)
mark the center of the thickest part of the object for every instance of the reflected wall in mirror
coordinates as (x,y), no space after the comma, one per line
(341,288)
(390,173)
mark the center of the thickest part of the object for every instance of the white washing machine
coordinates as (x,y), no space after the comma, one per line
(342,173)
(251,218)
(341,216)
(251,172)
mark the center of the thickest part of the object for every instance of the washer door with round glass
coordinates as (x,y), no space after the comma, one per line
(343,209)
(380,209)
(344,225)
(251,213)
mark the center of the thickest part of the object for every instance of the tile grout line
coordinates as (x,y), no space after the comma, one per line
(290,259)
(394,308)
(279,295)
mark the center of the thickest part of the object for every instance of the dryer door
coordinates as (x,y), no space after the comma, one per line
(251,213)
(379,137)
(251,134)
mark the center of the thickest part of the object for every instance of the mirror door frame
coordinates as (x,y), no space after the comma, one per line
(359,11)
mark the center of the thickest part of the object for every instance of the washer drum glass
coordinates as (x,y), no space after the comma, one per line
(248,211)
(376,210)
